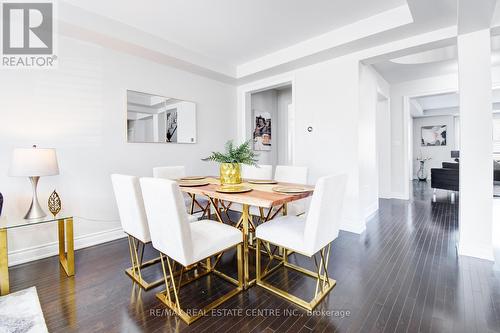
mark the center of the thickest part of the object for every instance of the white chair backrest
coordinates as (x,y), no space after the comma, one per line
(291,174)
(169,172)
(325,213)
(263,172)
(167,218)
(128,197)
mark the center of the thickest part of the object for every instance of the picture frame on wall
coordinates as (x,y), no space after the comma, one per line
(262,131)
(433,135)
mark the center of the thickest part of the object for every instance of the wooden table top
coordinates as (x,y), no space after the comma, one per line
(260,196)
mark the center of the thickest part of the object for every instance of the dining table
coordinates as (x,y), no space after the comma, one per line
(270,197)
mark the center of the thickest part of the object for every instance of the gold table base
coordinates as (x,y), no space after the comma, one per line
(66,253)
(246,224)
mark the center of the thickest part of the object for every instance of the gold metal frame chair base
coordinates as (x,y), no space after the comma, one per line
(204,210)
(324,284)
(173,287)
(134,272)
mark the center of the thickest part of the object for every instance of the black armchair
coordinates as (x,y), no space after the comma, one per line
(446,178)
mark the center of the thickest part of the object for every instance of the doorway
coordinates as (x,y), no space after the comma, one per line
(271,123)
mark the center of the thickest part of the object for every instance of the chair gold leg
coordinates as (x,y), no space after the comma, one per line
(134,272)
(195,202)
(4,264)
(172,287)
(318,284)
(324,284)
(281,250)
(209,211)
(215,203)
(225,209)
(239,255)
(191,208)
(271,254)
(245,216)
(257,262)
(261,213)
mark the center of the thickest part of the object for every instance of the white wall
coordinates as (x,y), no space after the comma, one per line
(383,129)
(371,86)
(438,154)
(476,146)
(327,99)
(80,109)
(284,100)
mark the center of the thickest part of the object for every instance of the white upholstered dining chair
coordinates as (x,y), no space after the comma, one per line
(177,172)
(169,172)
(186,243)
(307,236)
(260,172)
(295,175)
(133,219)
(291,174)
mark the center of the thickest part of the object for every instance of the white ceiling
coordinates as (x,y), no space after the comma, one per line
(244,40)
(432,62)
(396,73)
(440,101)
(444,104)
(420,64)
(236,31)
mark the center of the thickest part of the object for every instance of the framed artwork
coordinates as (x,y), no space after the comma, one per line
(433,135)
(171,125)
(262,131)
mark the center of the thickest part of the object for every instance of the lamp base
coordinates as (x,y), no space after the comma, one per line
(35,211)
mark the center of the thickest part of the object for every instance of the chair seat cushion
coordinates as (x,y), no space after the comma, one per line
(210,237)
(286,231)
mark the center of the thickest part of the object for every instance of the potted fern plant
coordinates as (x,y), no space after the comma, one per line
(231,160)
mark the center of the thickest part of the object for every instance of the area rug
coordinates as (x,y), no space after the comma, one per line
(20,312)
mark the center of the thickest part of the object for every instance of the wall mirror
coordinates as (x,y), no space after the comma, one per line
(153,118)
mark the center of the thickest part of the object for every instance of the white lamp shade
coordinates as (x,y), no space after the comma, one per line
(31,162)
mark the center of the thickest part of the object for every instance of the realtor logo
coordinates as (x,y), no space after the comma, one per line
(28,29)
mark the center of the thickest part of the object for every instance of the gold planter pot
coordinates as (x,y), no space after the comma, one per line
(230,173)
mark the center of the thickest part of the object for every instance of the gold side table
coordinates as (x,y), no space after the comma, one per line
(66,244)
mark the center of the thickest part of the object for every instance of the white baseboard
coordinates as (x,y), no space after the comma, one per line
(476,251)
(371,211)
(350,225)
(399,195)
(51,249)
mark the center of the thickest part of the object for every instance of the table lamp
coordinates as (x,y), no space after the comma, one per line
(33,163)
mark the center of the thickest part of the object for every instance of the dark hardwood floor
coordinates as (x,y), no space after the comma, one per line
(401,275)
